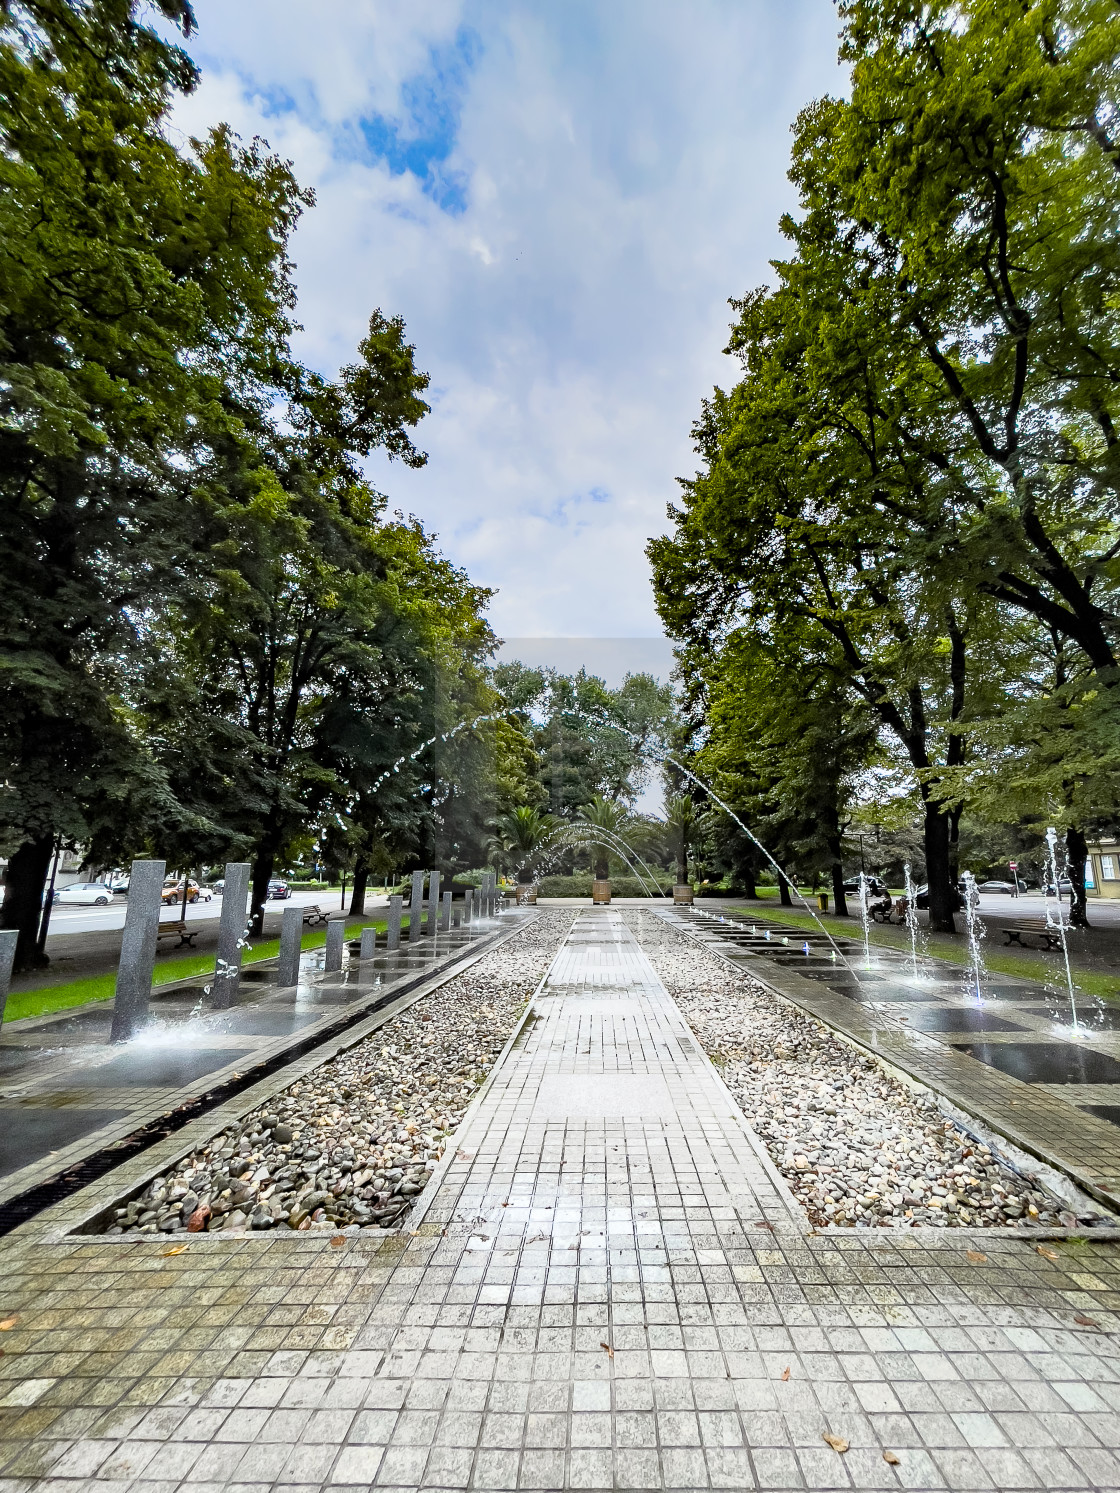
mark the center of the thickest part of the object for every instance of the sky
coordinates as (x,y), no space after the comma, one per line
(559,199)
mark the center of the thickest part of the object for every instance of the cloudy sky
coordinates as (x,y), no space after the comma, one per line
(559,199)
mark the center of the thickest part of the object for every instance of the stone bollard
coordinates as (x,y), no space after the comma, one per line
(369,943)
(8,940)
(336,933)
(231,934)
(445,914)
(468,904)
(456,917)
(393,930)
(433,902)
(138,948)
(291,942)
(416,907)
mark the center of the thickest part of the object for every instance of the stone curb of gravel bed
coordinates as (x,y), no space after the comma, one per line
(57,1224)
(354,1141)
(897,1228)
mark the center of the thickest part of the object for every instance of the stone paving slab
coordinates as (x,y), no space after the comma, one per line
(592,1301)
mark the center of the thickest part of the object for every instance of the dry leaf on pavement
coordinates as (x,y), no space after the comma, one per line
(1083,1321)
(1047,1254)
(837,1443)
(338,1241)
(976,1256)
(785,1374)
(891,1458)
(610,1350)
(8,1323)
(178,1249)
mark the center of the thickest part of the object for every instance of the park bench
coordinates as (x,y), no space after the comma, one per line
(1036,928)
(315,914)
(185,935)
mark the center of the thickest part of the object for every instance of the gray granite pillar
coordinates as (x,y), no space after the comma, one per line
(416,906)
(336,933)
(291,941)
(456,917)
(231,935)
(433,901)
(138,949)
(369,943)
(393,923)
(468,906)
(445,914)
(8,940)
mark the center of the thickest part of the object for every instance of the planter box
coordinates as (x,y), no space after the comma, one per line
(527,895)
(682,894)
(601,893)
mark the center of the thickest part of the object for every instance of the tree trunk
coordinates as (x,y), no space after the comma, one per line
(942,890)
(784,898)
(746,877)
(602,865)
(839,896)
(1077,852)
(682,864)
(264,863)
(24,882)
(361,881)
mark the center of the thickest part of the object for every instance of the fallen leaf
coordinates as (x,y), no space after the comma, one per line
(1083,1321)
(338,1241)
(837,1443)
(891,1458)
(8,1323)
(976,1257)
(609,1349)
(178,1250)
(1047,1254)
(785,1375)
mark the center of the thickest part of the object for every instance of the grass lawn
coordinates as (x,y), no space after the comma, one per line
(1046,968)
(181,967)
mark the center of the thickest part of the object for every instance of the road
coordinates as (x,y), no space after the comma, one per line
(99,919)
(1103,912)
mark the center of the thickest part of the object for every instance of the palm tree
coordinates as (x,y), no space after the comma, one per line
(517,834)
(606,814)
(680,820)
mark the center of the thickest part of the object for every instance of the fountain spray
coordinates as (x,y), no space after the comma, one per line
(911,917)
(865,918)
(974,927)
(1052,858)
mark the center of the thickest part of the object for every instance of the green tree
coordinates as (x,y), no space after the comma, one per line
(137,284)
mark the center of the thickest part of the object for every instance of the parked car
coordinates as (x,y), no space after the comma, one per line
(874,885)
(119,881)
(85,894)
(278,890)
(1064,887)
(220,885)
(1005,887)
(921,898)
(173,890)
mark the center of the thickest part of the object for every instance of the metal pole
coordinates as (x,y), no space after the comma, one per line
(291,940)
(8,940)
(393,923)
(231,935)
(138,948)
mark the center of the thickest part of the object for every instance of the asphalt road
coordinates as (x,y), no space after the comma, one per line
(98,919)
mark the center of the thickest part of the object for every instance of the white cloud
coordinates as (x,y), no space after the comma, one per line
(624,169)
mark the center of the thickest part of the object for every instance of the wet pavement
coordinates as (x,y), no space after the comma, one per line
(1050,1063)
(610,1288)
(66,1093)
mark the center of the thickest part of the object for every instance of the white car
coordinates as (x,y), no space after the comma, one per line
(85,893)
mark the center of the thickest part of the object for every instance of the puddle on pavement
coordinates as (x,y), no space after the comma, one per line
(958,1019)
(1045,1062)
(29,1133)
(1109,1112)
(161,1067)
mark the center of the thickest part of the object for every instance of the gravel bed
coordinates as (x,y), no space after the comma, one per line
(352,1144)
(858,1148)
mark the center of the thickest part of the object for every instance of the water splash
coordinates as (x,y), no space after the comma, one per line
(865,917)
(1052,859)
(911,917)
(974,930)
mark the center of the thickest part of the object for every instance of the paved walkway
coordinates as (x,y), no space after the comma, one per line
(610,1288)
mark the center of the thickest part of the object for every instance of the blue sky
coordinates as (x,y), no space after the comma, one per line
(559,199)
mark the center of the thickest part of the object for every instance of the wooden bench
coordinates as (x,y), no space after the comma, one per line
(185,935)
(1032,927)
(315,914)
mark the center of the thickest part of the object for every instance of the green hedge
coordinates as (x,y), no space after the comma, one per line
(580,886)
